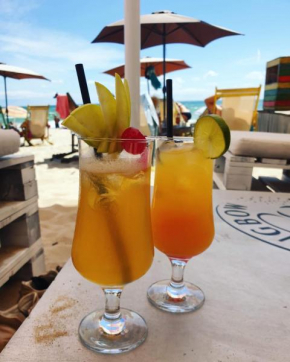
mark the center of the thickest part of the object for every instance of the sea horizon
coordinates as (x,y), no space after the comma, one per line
(195,108)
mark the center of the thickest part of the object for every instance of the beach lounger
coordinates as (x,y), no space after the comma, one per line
(36,125)
(239,107)
(233,171)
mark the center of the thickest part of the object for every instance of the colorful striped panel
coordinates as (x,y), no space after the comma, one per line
(271,92)
(283,97)
(277,91)
(283,103)
(284,68)
(277,94)
(282,60)
(272,63)
(284,73)
(277,103)
(284,79)
(277,85)
(269,99)
(269,104)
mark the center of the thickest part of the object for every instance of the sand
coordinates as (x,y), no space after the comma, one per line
(58,195)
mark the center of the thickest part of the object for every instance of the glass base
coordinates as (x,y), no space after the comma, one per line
(191,300)
(92,336)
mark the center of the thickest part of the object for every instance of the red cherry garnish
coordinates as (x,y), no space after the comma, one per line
(134,147)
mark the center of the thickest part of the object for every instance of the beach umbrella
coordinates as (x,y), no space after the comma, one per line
(165,27)
(16,112)
(10,71)
(171,66)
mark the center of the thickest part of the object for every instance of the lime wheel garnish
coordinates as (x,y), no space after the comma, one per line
(212,135)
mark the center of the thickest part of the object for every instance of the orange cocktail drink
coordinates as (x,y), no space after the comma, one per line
(112,243)
(182,215)
(109,249)
(182,219)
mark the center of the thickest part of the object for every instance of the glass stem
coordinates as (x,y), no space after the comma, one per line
(112,322)
(176,289)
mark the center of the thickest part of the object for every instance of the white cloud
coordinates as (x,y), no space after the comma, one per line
(51,53)
(255,59)
(15,8)
(256,75)
(210,73)
(51,46)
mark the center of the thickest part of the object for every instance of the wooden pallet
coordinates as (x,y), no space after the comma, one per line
(19,220)
(17,181)
(13,258)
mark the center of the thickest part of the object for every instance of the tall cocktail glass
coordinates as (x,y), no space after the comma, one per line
(112,243)
(182,219)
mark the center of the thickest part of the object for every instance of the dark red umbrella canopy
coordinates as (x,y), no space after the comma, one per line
(165,27)
(171,66)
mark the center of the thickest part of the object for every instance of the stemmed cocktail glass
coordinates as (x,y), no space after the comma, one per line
(182,219)
(112,243)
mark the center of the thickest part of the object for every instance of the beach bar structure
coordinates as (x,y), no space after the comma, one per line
(277,85)
(275,116)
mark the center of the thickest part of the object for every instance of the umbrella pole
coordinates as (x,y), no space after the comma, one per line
(148,86)
(6,102)
(164,71)
(132,40)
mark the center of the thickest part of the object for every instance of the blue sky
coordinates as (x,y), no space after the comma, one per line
(50,36)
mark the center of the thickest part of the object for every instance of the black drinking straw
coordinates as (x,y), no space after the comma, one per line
(169,129)
(83,83)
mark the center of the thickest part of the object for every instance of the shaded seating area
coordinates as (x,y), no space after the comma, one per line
(180,125)
(36,125)
(239,107)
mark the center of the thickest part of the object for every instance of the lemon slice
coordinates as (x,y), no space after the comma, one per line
(212,135)
(87,121)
